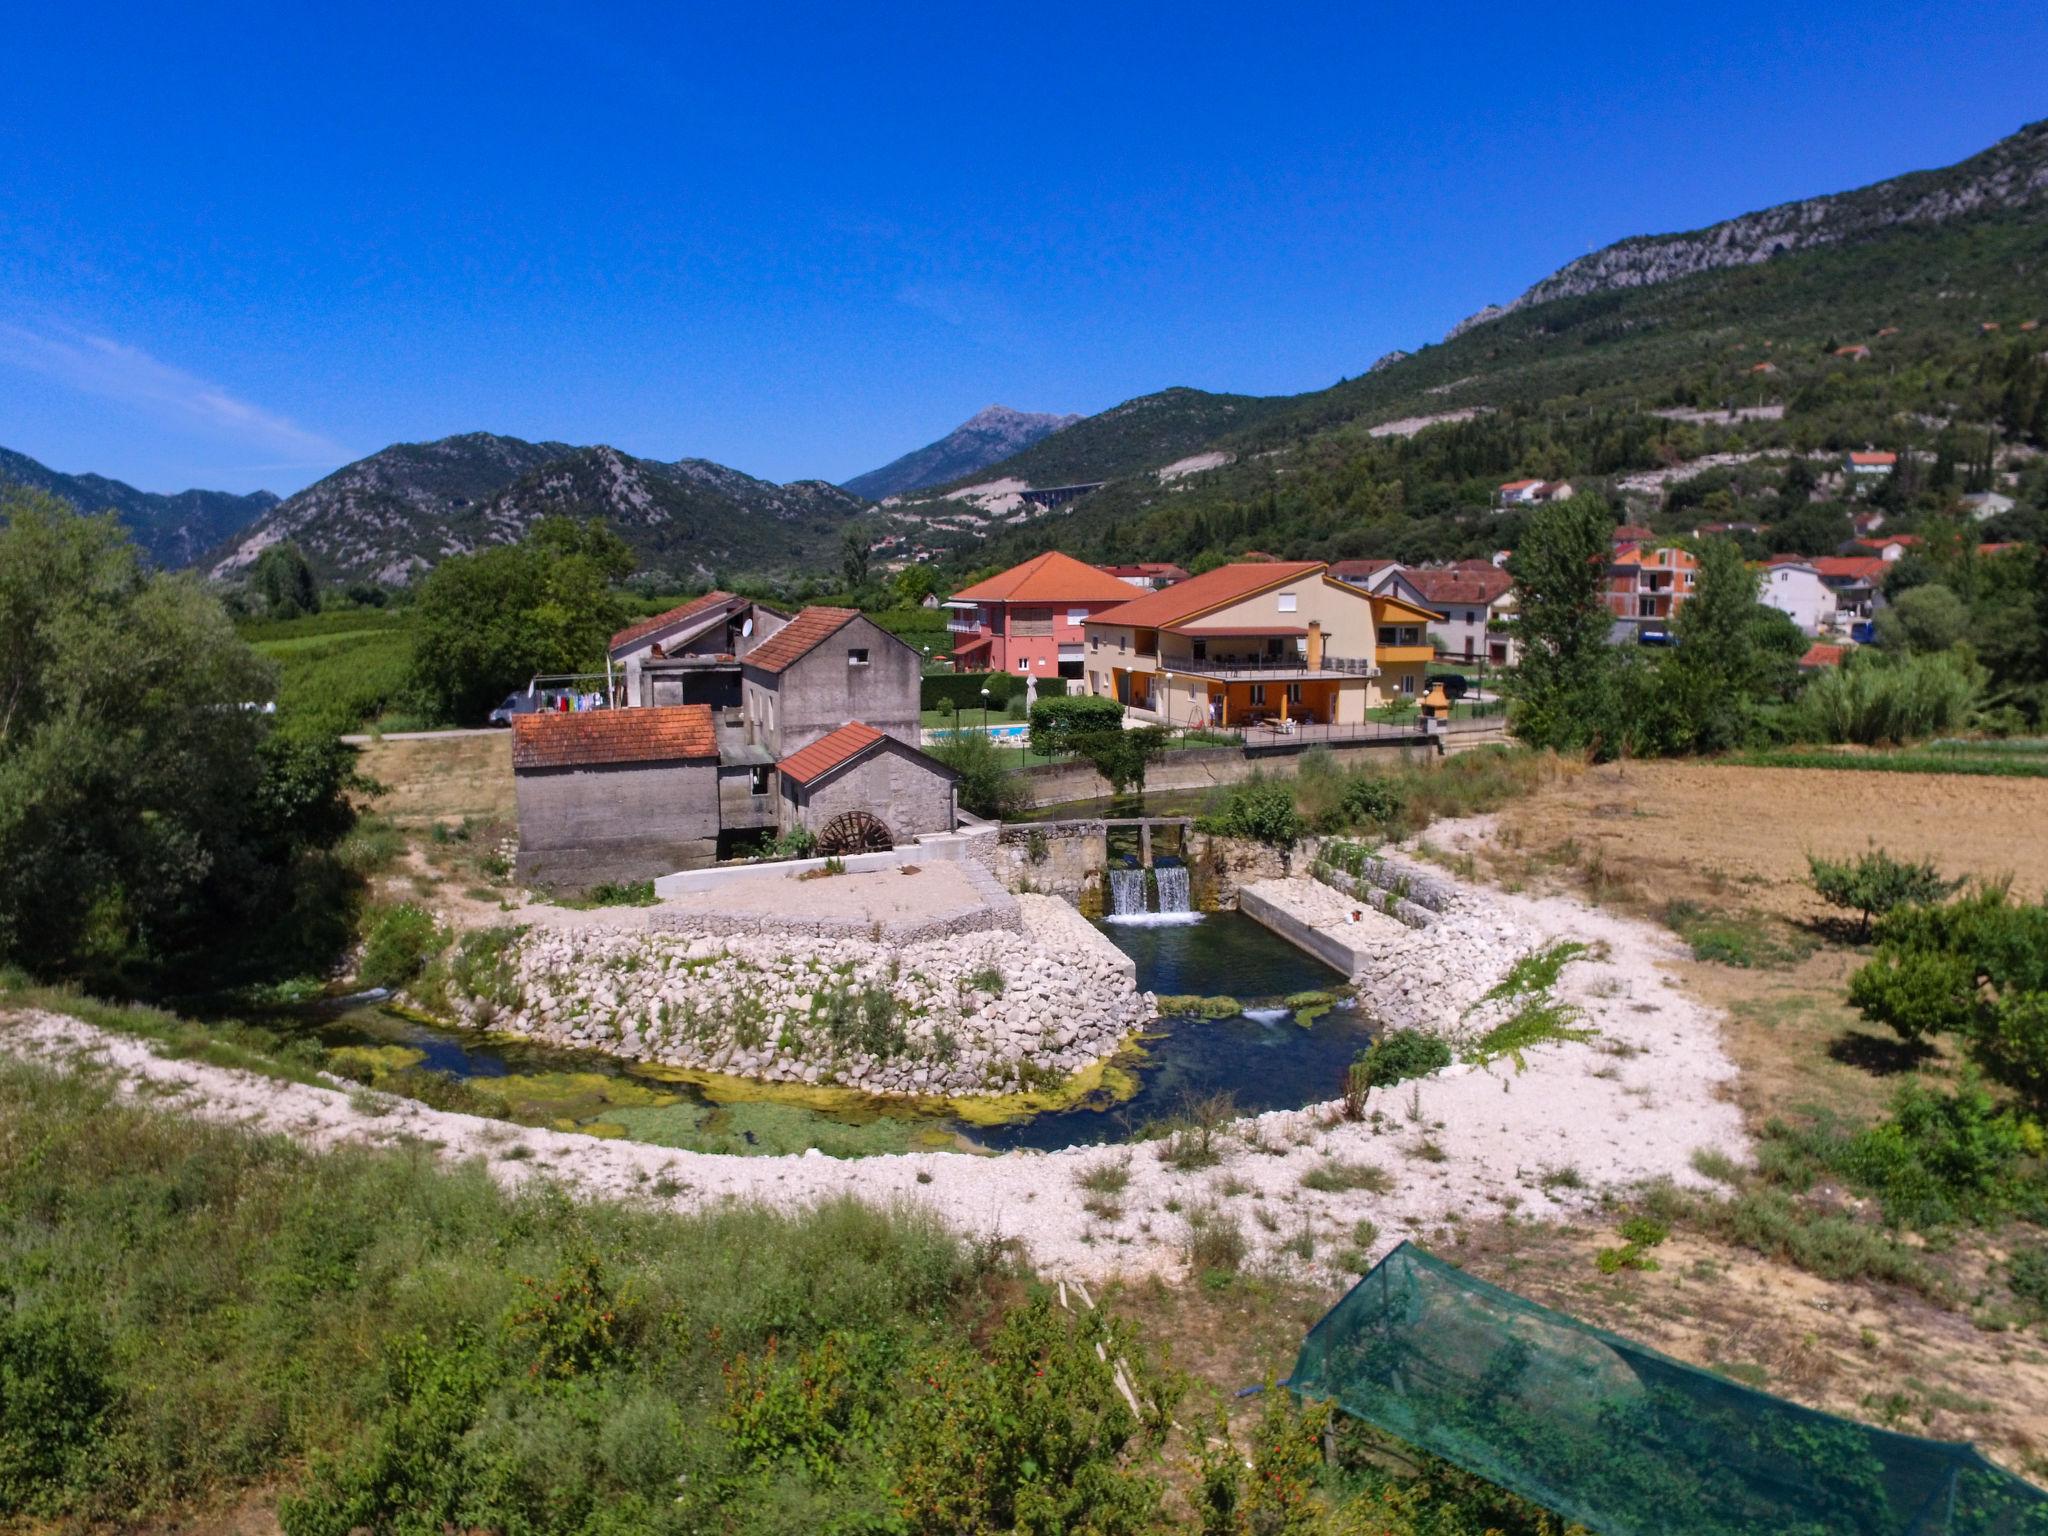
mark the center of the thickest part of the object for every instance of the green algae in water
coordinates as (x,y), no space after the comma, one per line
(764,1129)
(368,1063)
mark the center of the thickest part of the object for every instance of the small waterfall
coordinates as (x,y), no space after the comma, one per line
(1126,892)
(1173,888)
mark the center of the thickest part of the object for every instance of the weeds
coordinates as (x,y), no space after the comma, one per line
(1333,1176)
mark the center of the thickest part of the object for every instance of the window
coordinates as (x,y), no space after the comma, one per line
(1407,682)
(857,656)
(1024,665)
(1258,693)
(1294,693)
(1287,602)
(1471,615)
(1095,642)
(1201,650)
(1077,615)
(761,778)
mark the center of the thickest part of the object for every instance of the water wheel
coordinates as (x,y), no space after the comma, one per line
(855,832)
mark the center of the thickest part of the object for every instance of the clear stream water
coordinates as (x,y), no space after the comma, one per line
(1262,1057)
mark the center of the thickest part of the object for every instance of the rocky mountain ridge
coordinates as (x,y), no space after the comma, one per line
(175,529)
(2011,174)
(391,516)
(987,437)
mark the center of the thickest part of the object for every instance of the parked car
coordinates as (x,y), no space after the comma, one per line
(1455,685)
(523,703)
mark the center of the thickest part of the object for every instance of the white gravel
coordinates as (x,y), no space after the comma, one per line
(1634,1104)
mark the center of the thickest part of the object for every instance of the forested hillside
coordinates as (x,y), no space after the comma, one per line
(173,529)
(1944,290)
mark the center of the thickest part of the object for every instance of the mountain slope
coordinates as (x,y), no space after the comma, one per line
(174,529)
(1939,274)
(2012,173)
(985,438)
(394,514)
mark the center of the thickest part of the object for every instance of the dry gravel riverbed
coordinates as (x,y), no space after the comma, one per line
(1634,1103)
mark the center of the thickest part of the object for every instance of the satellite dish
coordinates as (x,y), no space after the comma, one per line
(747,629)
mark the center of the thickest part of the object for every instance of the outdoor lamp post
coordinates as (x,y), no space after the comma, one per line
(984,711)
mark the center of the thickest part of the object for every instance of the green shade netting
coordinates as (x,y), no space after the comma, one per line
(1620,1438)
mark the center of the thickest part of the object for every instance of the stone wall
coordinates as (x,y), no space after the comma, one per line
(918,1018)
(900,785)
(1065,859)
(622,821)
(820,692)
(991,910)
(1204,767)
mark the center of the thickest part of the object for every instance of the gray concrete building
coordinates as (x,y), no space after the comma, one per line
(827,666)
(690,654)
(858,771)
(615,794)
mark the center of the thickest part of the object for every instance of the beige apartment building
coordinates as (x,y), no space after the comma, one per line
(1265,642)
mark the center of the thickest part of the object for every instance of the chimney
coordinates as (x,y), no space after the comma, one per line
(1315,645)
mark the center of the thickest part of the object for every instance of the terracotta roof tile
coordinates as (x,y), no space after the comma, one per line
(799,637)
(670,733)
(689,610)
(1189,599)
(1873,458)
(1049,578)
(1457,586)
(1234,631)
(830,751)
(1822,655)
(1851,567)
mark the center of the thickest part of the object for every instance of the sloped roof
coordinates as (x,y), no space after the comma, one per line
(811,628)
(1438,585)
(1189,599)
(1354,570)
(1147,568)
(1879,540)
(1851,567)
(690,610)
(1873,458)
(1048,578)
(1820,654)
(836,749)
(1519,485)
(668,733)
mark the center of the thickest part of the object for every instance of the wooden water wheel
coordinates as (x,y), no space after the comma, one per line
(855,832)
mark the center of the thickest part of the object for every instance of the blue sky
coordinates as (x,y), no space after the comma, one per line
(240,245)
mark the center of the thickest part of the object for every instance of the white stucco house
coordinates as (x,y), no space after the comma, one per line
(1796,590)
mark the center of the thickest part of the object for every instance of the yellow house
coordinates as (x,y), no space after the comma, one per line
(1277,640)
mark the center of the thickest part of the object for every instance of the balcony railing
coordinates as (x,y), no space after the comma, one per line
(1267,666)
(963,626)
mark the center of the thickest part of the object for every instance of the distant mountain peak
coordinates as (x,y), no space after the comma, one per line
(989,436)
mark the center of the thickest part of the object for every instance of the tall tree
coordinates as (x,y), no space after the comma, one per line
(282,580)
(1562,688)
(490,621)
(853,559)
(157,831)
(1731,656)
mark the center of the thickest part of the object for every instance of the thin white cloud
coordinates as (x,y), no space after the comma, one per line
(112,370)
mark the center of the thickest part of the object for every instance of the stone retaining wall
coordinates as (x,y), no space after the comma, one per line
(882,1016)
(995,910)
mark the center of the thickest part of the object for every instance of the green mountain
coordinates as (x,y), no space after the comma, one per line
(394,514)
(1611,372)
(174,530)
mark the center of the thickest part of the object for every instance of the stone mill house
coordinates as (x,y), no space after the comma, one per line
(734,723)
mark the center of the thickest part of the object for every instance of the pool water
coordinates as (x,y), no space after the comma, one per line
(1261,1056)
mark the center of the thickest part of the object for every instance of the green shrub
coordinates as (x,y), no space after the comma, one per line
(1875,883)
(1333,1175)
(1877,700)
(1258,809)
(987,787)
(400,942)
(55,1391)
(963,689)
(1058,724)
(1939,1157)
(1401,1054)
(1122,756)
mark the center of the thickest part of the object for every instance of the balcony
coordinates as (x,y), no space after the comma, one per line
(963,626)
(1401,655)
(1274,668)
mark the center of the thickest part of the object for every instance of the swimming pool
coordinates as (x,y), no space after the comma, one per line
(1016,734)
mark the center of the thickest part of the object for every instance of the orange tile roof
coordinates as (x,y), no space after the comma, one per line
(1519,485)
(1454,587)
(1820,655)
(1851,567)
(689,610)
(1190,599)
(1147,568)
(1235,631)
(830,751)
(799,637)
(1873,458)
(1049,578)
(669,733)
(1879,541)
